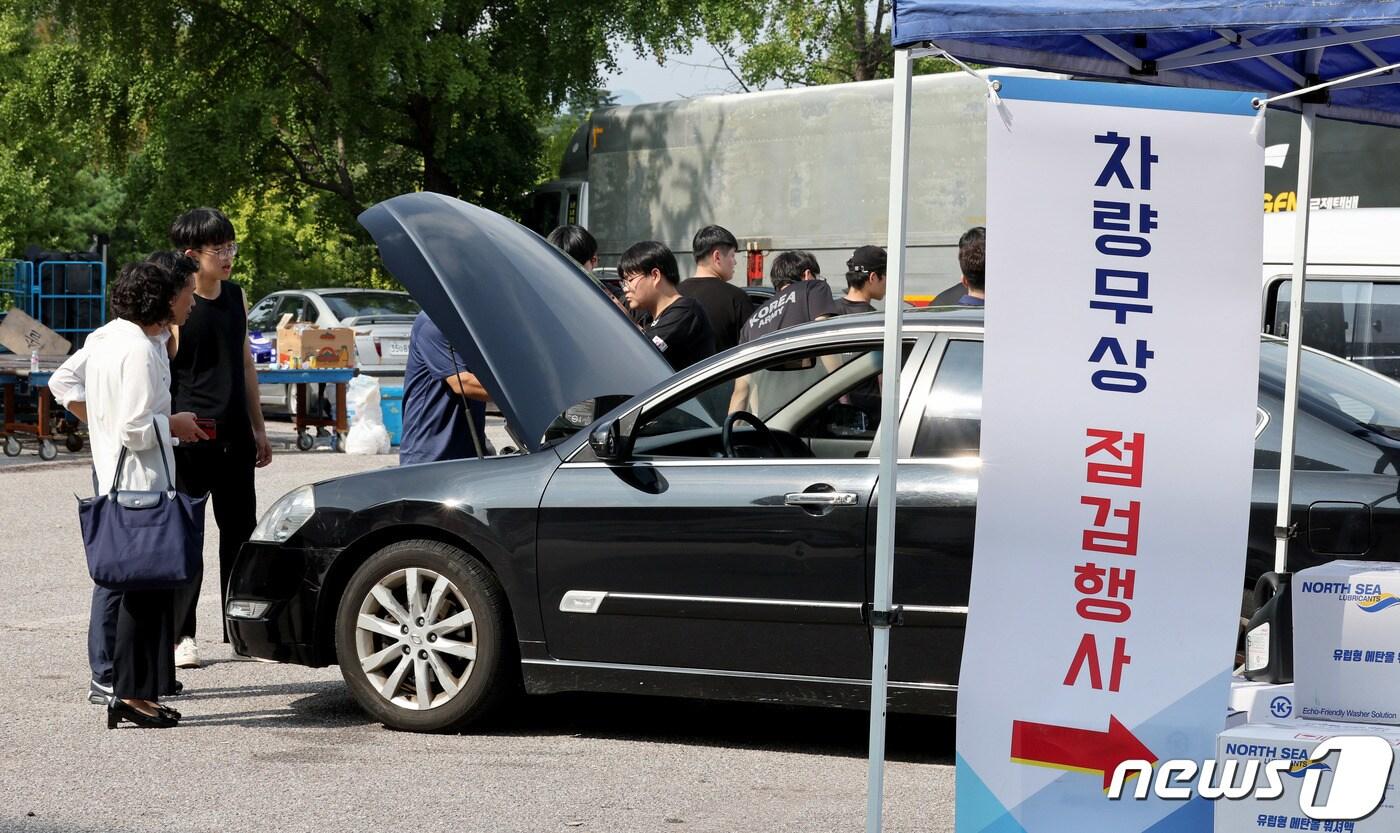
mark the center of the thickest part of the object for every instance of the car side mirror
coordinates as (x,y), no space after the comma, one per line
(611,441)
(844,420)
(607,441)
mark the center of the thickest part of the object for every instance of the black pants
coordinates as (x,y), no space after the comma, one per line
(142,663)
(223,469)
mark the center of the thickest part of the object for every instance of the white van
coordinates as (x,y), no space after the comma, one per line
(1352,307)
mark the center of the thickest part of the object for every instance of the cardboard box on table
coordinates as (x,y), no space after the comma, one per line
(1294,741)
(308,346)
(1346,643)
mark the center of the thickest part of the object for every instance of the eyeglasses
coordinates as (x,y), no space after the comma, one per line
(629,280)
(231,250)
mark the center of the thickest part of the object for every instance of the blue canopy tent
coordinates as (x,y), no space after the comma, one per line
(1330,58)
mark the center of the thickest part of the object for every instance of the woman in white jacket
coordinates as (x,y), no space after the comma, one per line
(125,375)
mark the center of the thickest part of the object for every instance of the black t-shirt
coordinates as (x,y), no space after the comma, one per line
(848,307)
(949,297)
(206,375)
(798,303)
(726,305)
(682,333)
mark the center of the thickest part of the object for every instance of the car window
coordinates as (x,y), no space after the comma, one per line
(361,304)
(1348,419)
(292,305)
(821,403)
(262,318)
(1357,319)
(951,425)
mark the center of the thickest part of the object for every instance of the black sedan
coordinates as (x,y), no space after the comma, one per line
(675,544)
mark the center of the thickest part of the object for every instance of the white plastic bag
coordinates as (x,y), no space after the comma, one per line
(362,402)
(368,438)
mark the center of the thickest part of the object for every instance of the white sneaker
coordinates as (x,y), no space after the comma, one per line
(187,654)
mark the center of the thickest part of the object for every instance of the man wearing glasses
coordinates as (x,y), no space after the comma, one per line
(212,374)
(677,325)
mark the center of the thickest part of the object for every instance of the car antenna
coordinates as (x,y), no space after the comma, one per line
(471,421)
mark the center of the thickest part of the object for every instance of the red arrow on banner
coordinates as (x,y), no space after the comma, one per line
(1078,750)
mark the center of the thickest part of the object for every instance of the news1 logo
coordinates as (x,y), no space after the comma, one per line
(1360,775)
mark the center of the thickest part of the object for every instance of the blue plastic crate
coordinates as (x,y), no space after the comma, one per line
(391,404)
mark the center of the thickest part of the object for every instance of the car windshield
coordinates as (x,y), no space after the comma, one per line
(361,304)
(1335,390)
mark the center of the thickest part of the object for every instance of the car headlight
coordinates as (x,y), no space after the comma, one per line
(286,516)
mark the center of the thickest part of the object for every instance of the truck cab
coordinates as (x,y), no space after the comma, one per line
(1352,303)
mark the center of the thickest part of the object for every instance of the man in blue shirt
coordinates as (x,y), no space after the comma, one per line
(443,403)
(972,259)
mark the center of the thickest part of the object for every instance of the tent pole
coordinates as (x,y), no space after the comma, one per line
(889,438)
(1283,518)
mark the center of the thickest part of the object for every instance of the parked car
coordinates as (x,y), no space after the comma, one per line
(380,318)
(667,549)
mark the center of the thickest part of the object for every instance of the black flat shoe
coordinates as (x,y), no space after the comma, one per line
(119,711)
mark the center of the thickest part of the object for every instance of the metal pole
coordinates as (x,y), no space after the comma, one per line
(889,439)
(1283,518)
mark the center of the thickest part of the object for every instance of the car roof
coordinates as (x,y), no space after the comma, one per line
(918,319)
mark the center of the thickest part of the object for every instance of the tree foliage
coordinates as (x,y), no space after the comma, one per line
(798,43)
(293,115)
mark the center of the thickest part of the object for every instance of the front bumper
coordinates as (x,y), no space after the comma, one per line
(288,579)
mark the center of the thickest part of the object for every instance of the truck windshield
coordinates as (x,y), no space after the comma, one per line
(1358,320)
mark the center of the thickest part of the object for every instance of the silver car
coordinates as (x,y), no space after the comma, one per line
(380,318)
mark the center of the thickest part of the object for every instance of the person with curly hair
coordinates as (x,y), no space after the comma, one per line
(119,382)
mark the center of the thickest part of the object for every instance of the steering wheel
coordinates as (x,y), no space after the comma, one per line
(727,435)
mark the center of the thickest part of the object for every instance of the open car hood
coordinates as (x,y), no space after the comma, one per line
(538,333)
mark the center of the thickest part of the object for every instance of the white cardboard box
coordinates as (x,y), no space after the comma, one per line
(1294,740)
(1346,642)
(1252,702)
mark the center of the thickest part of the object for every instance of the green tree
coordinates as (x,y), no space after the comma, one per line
(357,101)
(800,43)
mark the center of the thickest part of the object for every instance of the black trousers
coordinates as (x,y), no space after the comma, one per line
(223,469)
(142,663)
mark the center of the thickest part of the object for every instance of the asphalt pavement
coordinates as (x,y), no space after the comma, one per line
(267,747)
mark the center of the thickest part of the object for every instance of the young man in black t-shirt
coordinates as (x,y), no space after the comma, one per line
(726,305)
(677,325)
(802,297)
(865,280)
(212,374)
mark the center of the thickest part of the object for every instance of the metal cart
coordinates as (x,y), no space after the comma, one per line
(42,427)
(302,378)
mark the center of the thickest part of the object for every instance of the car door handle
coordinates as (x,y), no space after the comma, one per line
(820,499)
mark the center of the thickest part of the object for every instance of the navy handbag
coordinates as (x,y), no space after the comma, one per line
(142,540)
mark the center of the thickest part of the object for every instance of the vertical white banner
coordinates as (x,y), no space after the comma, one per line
(1119,395)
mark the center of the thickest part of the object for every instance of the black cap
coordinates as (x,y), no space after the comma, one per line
(867,259)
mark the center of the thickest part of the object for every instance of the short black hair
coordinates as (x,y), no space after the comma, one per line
(972,256)
(574,241)
(641,258)
(143,293)
(788,268)
(176,263)
(201,227)
(710,238)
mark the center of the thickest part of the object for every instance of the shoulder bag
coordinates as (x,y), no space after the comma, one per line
(142,540)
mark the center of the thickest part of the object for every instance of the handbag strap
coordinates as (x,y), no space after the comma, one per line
(121,461)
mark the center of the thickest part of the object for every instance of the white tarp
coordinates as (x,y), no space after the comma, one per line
(1120,379)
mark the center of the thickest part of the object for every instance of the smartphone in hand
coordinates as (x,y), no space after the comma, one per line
(208,426)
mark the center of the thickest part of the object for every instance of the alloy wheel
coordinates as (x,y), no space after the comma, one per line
(415,638)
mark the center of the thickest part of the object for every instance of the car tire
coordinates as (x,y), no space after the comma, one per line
(373,659)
